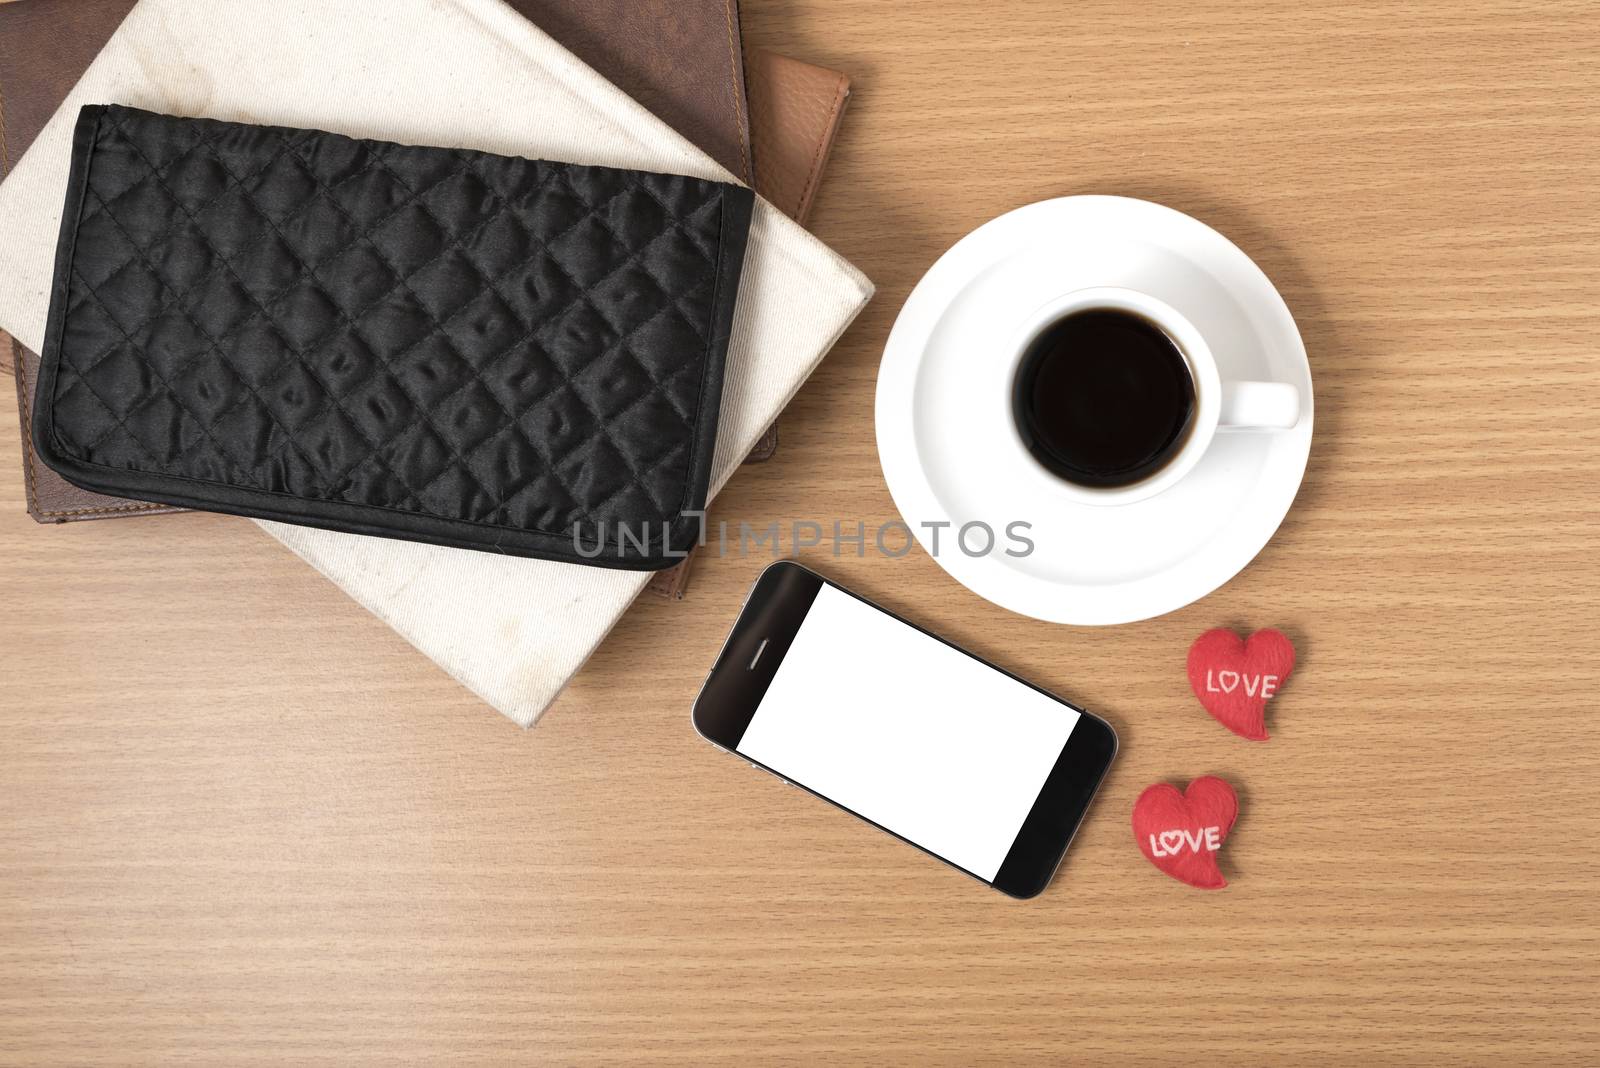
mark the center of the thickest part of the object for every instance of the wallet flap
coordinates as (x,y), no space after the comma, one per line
(436,344)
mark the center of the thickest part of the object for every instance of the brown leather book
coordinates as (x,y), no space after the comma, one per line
(682,59)
(795,110)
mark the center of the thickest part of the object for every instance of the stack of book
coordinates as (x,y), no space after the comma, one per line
(766,119)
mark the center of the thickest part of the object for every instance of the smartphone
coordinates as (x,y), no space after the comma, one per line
(918,737)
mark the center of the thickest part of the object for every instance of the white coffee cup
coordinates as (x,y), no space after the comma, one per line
(1218,405)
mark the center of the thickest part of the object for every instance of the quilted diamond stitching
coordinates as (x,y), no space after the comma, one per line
(241,468)
(458,459)
(468,467)
(103,207)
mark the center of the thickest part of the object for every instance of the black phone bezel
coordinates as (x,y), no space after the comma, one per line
(755,647)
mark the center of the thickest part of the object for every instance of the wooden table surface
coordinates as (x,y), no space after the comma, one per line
(242,821)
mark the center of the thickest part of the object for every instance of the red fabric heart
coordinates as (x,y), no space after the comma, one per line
(1235,679)
(1181,833)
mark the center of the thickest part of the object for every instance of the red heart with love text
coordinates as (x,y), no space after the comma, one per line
(1180,833)
(1235,679)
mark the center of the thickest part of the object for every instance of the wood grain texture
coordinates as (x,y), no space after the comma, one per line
(243,822)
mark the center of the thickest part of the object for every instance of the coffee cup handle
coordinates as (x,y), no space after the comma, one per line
(1259,406)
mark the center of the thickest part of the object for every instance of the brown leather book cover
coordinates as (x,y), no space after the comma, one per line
(681,59)
(795,109)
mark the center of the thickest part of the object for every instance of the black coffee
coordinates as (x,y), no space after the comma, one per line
(1103,398)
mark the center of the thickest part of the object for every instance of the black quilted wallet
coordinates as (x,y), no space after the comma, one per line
(447,346)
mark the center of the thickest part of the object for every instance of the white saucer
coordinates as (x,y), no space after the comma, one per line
(946,446)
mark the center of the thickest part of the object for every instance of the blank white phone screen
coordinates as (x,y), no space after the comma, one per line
(908,732)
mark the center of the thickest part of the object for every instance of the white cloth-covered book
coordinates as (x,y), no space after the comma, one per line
(459,73)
